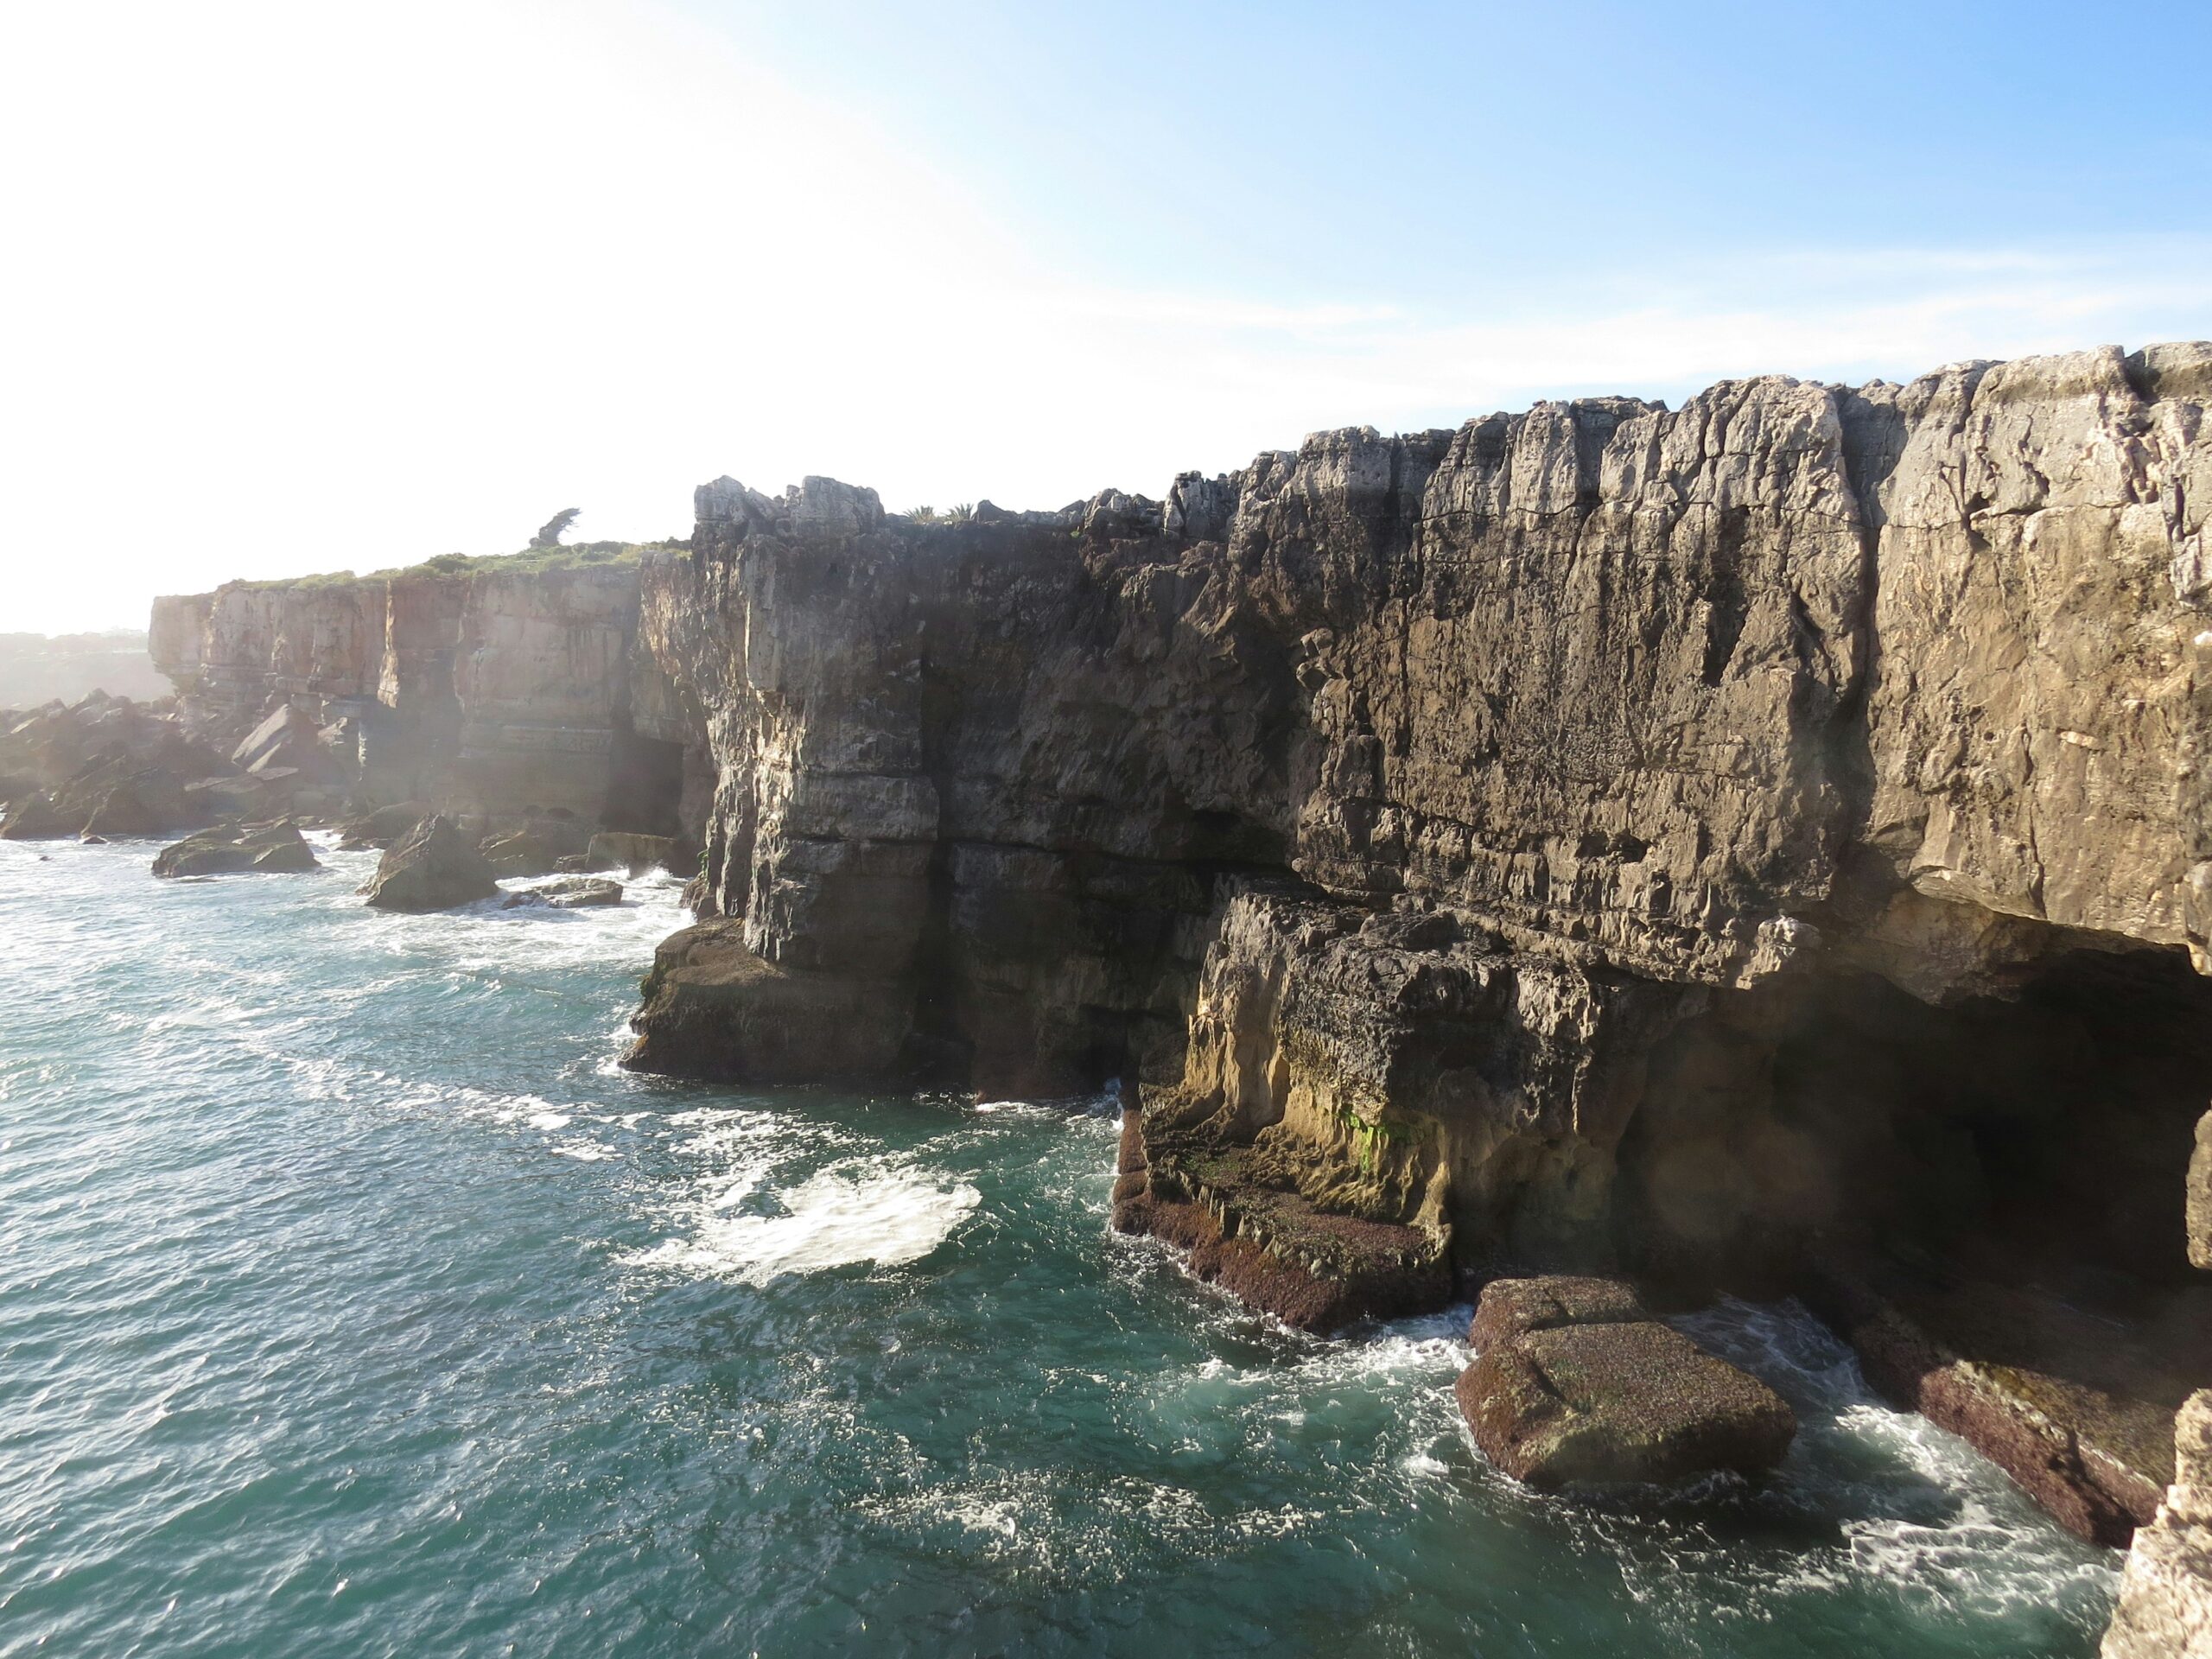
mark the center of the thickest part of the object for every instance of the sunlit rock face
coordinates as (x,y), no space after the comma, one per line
(489,693)
(1900,677)
(1601,836)
(2166,1599)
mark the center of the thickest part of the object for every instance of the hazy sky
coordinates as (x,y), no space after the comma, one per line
(294,286)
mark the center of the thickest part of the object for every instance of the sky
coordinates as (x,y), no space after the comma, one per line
(289,288)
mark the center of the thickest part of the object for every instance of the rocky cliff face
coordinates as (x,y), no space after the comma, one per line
(1696,840)
(487,692)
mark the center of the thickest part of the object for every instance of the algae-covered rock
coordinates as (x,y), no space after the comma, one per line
(1572,1384)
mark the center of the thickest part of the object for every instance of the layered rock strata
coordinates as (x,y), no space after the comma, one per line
(489,692)
(1604,836)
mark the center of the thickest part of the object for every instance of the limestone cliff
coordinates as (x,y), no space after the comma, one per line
(486,689)
(1707,840)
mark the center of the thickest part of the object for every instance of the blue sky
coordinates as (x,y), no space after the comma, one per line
(311,288)
(1453,156)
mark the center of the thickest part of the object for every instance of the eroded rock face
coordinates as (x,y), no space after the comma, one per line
(433,866)
(1573,1382)
(1520,840)
(2165,1598)
(494,693)
(2200,1196)
(1549,732)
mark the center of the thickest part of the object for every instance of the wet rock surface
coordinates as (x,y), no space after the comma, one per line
(575,892)
(433,866)
(1573,1382)
(277,848)
(2076,1405)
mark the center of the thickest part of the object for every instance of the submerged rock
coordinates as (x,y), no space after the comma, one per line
(1573,1382)
(433,866)
(575,892)
(275,848)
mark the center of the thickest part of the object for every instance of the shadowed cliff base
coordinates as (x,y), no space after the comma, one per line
(1697,842)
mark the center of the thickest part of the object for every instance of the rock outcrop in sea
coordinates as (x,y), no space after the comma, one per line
(1736,846)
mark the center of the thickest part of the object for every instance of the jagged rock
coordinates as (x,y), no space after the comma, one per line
(2165,1594)
(615,851)
(2200,1196)
(106,765)
(520,852)
(277,848)
(433,866)
(379,829)
(290,742)
(578,893)
(1573,1382)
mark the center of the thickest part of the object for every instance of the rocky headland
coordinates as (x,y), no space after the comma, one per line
(1760,846)
(1756,846)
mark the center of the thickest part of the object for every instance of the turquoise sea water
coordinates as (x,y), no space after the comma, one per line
(353,1302)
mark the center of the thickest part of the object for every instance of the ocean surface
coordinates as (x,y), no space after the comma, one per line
(353,1302)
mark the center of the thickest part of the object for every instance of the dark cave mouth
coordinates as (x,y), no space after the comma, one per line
(2009,1174)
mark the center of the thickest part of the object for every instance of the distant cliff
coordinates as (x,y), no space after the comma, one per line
(484,686)
(36,668)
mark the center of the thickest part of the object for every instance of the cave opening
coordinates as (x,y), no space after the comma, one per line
(2009,1174)
(645,786)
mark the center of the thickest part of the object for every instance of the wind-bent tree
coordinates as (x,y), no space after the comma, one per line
(555,528)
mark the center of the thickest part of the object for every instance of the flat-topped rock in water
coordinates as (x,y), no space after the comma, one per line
(573,893)
(2077,1406)
(1514,1308)
(433,866)
(1572,1383)
(275,848)
(1247,1227)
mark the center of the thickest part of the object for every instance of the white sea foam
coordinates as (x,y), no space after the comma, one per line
(852,1212)
(585,1152)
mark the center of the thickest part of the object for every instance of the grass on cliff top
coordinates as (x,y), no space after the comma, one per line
(581,556)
